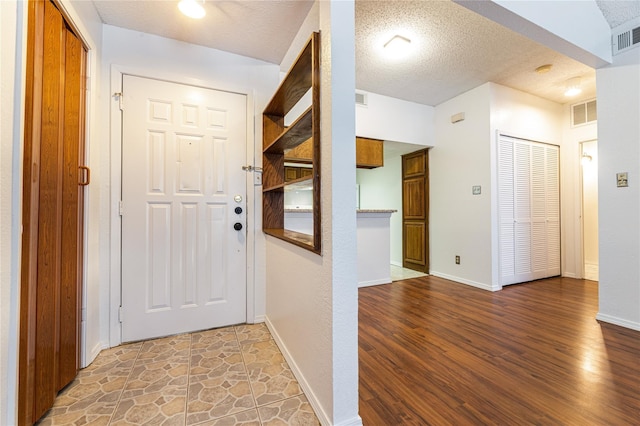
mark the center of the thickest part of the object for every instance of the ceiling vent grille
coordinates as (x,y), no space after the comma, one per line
(626,37)
(361,99)
(584,113)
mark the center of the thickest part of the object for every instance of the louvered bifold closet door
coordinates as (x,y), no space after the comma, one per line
(529,210)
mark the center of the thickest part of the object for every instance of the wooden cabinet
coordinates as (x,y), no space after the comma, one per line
(294,173)
(369,153)
(278,140)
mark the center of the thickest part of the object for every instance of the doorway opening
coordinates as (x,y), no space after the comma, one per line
(589,186)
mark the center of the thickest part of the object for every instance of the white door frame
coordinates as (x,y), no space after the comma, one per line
(115,127)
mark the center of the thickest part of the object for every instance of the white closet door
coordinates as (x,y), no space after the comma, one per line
(529,210)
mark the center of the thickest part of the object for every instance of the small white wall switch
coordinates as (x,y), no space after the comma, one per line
(257,178)
(622,179)
(476,190)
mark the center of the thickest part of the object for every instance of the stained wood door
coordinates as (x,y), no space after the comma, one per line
(183,262)
(415,211)
(51,284)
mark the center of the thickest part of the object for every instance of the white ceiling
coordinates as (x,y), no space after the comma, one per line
(455,49)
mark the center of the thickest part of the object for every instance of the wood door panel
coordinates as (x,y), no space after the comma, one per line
(414,242)
(414,165)
(52,211)
(50,215)
(71,214)
(413,199)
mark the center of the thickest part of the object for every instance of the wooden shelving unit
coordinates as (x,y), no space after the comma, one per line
(276,139)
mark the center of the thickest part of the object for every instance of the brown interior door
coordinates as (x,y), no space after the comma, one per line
(415,211)
(51,279)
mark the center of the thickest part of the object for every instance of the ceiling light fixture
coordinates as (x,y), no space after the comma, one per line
(398,46)
(543,69)
(192,8)
(573,87)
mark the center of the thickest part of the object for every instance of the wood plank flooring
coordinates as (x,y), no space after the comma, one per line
(437,352)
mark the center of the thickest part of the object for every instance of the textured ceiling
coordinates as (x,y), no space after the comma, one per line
(455,49)
(261,29)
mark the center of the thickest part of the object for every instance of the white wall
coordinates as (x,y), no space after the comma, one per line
(311,299)
(154,56)
(393,119)
(381,188)
(520,114)
(459,222)
(619,208)
(12,57)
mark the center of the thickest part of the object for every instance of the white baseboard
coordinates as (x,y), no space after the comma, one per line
(476,284)
(356,421)
(94,352)
(311,397)
(396,263)
(374,282)
(569,275)
(618,321)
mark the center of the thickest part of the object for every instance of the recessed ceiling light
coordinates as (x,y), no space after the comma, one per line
(192,8)
(397,46)
(542,69)
(573,87)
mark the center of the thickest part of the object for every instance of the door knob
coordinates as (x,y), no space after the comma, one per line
(237,226)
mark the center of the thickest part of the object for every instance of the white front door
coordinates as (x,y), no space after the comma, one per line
(183,262)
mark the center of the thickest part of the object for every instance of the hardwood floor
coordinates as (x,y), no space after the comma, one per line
(436,352)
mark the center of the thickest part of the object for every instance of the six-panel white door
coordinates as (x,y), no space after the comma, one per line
(183,263)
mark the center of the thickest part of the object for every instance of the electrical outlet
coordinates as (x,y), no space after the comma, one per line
(457,260)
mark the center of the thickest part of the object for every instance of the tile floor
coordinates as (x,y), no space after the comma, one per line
(226,376)
(399,273)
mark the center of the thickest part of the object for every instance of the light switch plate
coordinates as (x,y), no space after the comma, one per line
(476,190)
(622,179)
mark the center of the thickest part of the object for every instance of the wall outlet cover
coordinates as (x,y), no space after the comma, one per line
(622,179)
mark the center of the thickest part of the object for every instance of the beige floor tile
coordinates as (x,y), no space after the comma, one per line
(151,409)
(214,378)
(294,411)
(270,376)
(245,418)
(218,385)
(252,333)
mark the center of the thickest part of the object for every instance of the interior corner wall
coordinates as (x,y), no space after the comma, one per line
(311,299)
(159,57)
(459,222)
(618,91)
(571,187)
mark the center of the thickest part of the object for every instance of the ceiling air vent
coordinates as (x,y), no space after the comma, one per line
(583,113)
(626,37)
(361,99)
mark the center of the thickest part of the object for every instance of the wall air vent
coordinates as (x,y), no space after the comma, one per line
(626,36)
(583,113)
(361,99)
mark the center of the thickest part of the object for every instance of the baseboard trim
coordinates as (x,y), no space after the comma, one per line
(311,397)
(374,282)
(356,421)
(258,319)
(618,321)
(396,263)
(476,284)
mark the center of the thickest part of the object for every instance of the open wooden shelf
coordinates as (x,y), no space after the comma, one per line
(303,76)
(291,137)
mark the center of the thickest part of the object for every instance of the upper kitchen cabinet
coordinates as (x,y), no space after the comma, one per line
(369,153)
(278,139)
